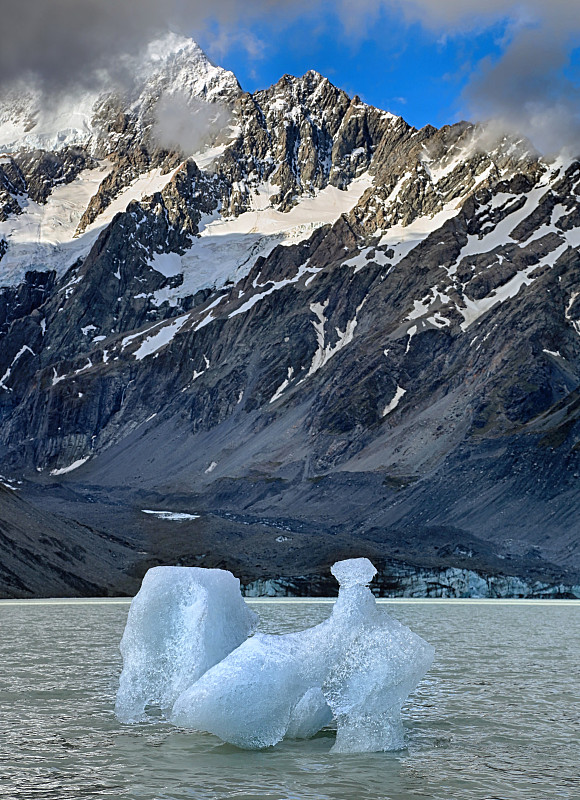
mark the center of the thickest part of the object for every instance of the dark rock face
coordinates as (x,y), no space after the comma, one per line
(12,185)
(35,174)
(22,301)
(109,290)
(301,135)
(44,555)
(43,171)
(400,380)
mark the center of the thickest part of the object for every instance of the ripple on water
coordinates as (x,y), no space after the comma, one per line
(496,717)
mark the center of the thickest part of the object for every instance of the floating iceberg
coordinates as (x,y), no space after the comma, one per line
(201,669)
(182,621)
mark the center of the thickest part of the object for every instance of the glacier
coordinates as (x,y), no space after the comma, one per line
(188,652)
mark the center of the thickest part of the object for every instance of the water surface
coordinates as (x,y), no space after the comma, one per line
(496,718)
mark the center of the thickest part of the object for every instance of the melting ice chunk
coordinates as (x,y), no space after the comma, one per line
(353,571)
(357,668)
(182,622)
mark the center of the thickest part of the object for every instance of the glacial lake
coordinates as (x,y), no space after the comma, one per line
(496,718)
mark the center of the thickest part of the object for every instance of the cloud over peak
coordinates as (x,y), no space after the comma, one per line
(529,86)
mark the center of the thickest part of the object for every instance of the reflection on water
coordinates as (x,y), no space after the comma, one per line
(497,717)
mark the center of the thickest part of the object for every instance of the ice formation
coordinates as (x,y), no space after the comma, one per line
(182,622)
(356,668)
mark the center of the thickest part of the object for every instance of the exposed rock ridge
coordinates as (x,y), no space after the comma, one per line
(395,340)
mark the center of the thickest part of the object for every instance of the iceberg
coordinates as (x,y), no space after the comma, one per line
(356,668)
(182,621)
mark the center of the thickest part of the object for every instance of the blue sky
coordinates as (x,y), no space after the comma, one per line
(516,62)
(398,66)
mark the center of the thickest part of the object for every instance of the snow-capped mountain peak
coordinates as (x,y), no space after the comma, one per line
(322,315)
(172,65)
(176,64)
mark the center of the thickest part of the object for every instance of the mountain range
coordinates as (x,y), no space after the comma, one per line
(268,331)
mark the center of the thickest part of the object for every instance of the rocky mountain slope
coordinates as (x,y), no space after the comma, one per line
(45,555)
(323,333)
